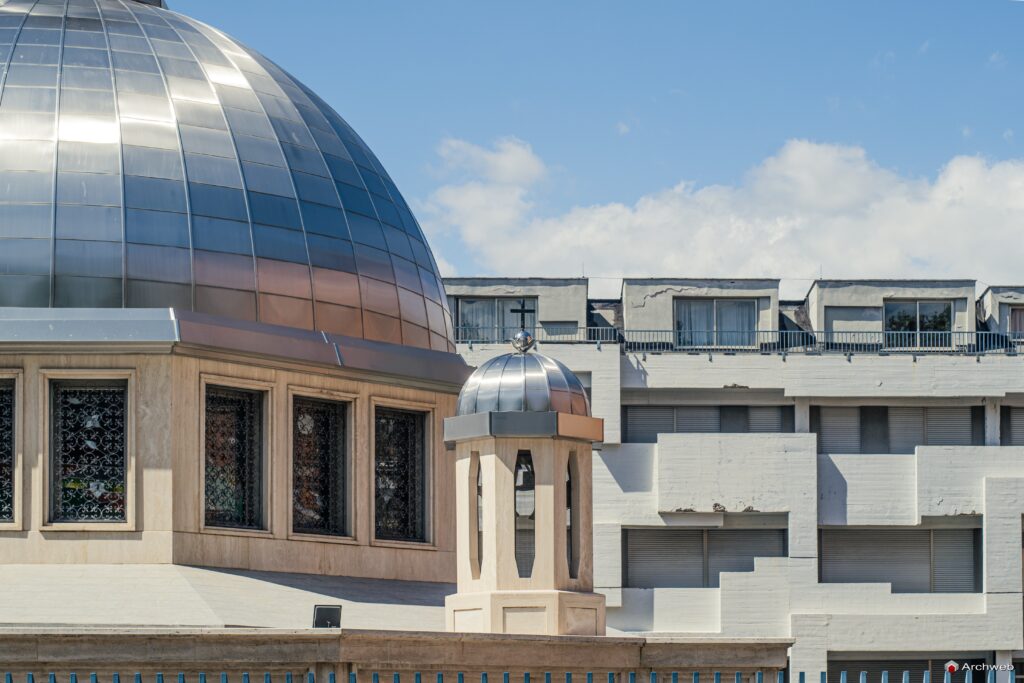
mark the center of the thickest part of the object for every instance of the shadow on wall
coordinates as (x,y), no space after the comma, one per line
(632,466)
(369,591)
(832,487)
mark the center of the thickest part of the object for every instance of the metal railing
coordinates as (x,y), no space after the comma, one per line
(759,341)
(542,333)
(802,341)
(965,675)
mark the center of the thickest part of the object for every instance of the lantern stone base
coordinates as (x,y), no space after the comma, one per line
(541,612)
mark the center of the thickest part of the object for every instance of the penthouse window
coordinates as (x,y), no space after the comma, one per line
(694,558)
(918,323)
(492,319)
(913,560)
(716,322)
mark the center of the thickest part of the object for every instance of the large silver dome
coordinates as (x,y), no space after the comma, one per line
(523,382)
(150,161)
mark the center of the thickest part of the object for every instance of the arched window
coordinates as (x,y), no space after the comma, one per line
(525,520)
(572,521)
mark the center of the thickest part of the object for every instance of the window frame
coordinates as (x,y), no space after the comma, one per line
(352,512)
(1015,335)
(267,389)
(715,343)
(917,323)
(493,300)
(43,506)
(429,412)
(17,522)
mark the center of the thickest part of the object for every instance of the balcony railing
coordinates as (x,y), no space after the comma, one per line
(549,334)
(760,341)
(802,341)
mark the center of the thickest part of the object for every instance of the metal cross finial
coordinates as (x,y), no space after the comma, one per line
(522,311)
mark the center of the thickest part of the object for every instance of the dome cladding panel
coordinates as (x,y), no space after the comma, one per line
(517,382)
(149,161)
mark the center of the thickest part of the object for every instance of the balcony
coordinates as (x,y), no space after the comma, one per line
(761,341)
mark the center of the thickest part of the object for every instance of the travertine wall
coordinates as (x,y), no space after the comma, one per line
(165,453)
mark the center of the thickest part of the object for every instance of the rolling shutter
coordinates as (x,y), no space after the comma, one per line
(949,426)
(734,550)
(897,556)
(644,423)
(906,429)
(698,419)
(954,561)
(664,558)
(840,430)
(765,419)
(1016,427)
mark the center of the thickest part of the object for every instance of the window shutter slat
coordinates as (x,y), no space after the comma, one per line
(840,430)
(664,558)
(765,419)
(954,561)
(644,423)
(1016,427)
(949,426)
(897,556)
(734,550)
(906,429)
(698,419)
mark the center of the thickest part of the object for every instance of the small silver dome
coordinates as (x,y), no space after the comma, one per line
(523,382)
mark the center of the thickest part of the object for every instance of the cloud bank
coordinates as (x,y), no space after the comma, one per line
(807,209)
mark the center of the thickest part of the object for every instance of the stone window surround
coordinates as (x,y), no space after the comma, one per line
(267,389)
(429,427)
(18,469)
(46,377)
(351,477)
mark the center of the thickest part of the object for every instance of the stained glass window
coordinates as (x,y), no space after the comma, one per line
(88,437)
(319,497)
(234,458)
(400,475)
(7,452)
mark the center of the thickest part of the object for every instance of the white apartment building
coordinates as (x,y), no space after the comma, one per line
(846,470)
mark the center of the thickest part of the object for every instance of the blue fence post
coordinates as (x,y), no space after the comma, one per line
(718,677)
(92,678)
(842,677)
(568,677)
(395,678)
(375,677)
(526,677)
(654,677)
(759,678)
(483,677)
(181,678)
(968,676)
(202,678)
(991,676)
(223,678)
(116,678)
(906,677)
(73,678)
(696,677)
(310,677)
(504,677)
(739,677)
(885,677)
(245,677)
(947,677)
(331,678)
(30,678)
(351,677)
(802,677)
(863,677)
(927,678)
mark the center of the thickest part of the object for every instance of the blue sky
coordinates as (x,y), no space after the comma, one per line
(620,102)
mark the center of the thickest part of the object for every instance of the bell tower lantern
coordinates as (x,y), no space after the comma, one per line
(523,441)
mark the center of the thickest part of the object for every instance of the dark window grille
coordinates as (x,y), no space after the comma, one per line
(7,452)
(525,514)
(319,496)
(400,475)
(88,439)
(234,458)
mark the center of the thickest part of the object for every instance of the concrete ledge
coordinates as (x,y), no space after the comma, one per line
(62,650)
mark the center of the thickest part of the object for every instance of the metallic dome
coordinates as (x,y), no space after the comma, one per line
(523,382)
(150,161)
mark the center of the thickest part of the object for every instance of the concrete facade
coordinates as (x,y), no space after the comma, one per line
(782,481)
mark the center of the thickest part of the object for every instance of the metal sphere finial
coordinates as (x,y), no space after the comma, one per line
(523,341)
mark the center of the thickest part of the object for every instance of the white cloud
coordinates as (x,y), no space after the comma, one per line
(808,206)
(622,128)
(967,131)
(511,162)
